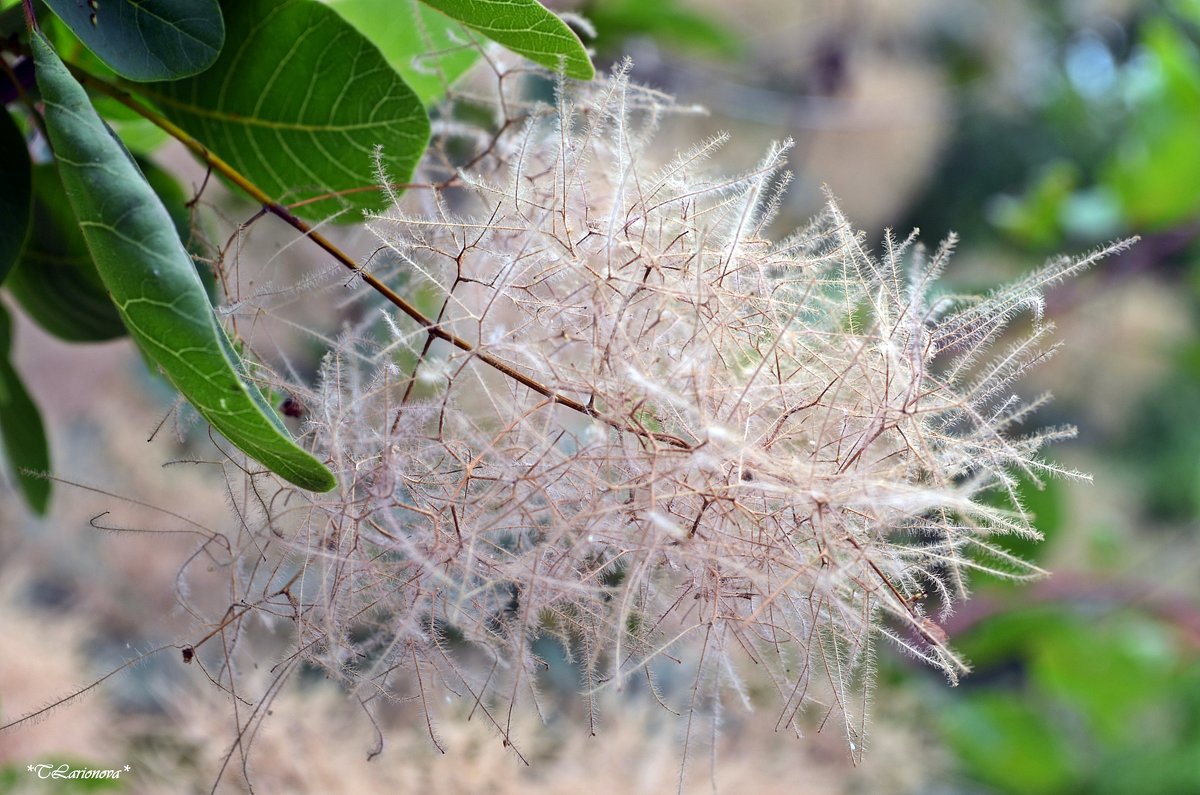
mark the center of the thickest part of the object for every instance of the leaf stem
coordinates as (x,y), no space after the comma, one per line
(282,212)
(30,15)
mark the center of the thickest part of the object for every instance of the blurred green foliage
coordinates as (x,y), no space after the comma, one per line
(670,22)
(1077,700)
(1111,149)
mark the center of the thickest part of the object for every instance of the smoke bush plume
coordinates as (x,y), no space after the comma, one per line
(667,438)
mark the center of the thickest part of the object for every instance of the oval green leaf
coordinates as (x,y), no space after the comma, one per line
(56,281)
(152,281)
(526,28)
(297,103)
(428,49)
(147,40)
(21,428)
(15,193)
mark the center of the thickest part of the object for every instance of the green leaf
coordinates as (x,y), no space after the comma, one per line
(152,280)
(663,21)
(15,193)
(170,193)
(427,48)
(526,28)
(175,199)
(147,39)
(56,282)
(297,103)
(71,49)
(21,428)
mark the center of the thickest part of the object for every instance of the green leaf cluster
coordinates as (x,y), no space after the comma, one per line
(301,102)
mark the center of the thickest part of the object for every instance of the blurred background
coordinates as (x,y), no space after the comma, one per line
(1031,129)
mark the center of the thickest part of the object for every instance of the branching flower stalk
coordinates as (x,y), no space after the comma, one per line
(779,451)
(612,412)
